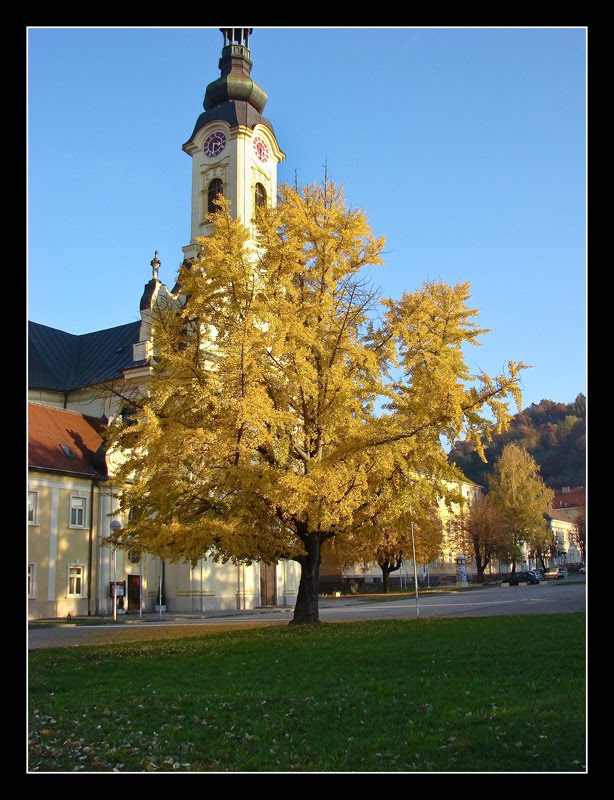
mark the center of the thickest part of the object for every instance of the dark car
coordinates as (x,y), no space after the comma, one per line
(522,577)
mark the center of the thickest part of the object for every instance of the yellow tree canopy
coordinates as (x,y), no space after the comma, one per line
(521,497)
(287,397)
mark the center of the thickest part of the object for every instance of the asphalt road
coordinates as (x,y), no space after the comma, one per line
(545,598)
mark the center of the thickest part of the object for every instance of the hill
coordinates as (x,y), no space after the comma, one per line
(553,433)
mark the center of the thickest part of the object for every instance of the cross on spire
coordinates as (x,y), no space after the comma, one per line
(155,265)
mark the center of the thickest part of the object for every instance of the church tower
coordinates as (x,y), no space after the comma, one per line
(233,147)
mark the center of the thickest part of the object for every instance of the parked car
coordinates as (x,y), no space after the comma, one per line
(554,573)
(582,570)
(538,574)
(522,577)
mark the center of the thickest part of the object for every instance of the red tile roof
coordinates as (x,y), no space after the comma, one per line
(51,430)
(569,498)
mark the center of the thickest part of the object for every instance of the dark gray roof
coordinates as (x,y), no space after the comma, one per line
(234,112)
(65,361)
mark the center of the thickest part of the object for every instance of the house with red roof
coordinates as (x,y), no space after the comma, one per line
(67,480)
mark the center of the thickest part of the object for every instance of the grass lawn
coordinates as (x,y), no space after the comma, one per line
(501,694)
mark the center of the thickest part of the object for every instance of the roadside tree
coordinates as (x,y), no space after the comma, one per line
(521,497)
(482,531)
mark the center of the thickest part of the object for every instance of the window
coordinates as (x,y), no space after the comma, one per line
(30,580)
(75,581)
(32,507)
(216,187)
(260,195)
(77,512)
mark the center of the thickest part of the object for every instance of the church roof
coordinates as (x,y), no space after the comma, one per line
(234,112)
(64,361)
(65,441)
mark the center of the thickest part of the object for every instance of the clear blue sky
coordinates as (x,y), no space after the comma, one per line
(466,147)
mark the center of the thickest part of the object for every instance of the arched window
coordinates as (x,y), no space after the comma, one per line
(260,196)
(216,187)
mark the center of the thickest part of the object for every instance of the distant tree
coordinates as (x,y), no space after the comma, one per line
(521,497)
(481,529)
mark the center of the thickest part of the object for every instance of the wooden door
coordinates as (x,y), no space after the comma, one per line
(267,584)
(134,592)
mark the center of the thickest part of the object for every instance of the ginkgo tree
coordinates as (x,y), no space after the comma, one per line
(288,400)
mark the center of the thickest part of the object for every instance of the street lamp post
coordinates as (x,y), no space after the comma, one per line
(115,526)
(413,547)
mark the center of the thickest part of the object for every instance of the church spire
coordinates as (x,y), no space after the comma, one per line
(235,66)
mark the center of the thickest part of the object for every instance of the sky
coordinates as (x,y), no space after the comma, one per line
(465,147)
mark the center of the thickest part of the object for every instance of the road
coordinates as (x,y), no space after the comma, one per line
(545,598)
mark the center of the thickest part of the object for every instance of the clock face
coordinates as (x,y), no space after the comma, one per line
(261,149)
(214,143)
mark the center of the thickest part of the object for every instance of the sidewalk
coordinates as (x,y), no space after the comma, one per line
(185,616)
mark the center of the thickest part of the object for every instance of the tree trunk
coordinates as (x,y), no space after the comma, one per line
(539,559)
(386,578)
(480,563)
(306,610)
(387,566)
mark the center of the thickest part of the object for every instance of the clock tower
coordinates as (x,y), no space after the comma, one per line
(233,147)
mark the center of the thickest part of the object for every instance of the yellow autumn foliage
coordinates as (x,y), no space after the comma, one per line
(289,404)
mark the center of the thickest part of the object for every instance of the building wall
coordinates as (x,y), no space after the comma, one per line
(563,534)
(58,548)
(59,563)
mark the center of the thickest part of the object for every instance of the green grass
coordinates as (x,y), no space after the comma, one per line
(443,695)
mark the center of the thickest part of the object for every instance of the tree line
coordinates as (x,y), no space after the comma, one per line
(553,433)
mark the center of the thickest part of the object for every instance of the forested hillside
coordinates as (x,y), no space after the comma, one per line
(553,433)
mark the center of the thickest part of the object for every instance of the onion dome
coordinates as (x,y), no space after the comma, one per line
(235,66)
(234,97)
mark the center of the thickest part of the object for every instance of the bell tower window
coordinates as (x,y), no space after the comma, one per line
(260,196)
(216,188)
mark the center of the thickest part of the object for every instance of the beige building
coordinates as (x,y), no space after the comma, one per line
(71,495)
(564,544)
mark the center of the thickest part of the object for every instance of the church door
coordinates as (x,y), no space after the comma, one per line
(134,592)
(267,584)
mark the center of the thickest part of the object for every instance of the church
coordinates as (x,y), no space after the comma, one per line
(71,493)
